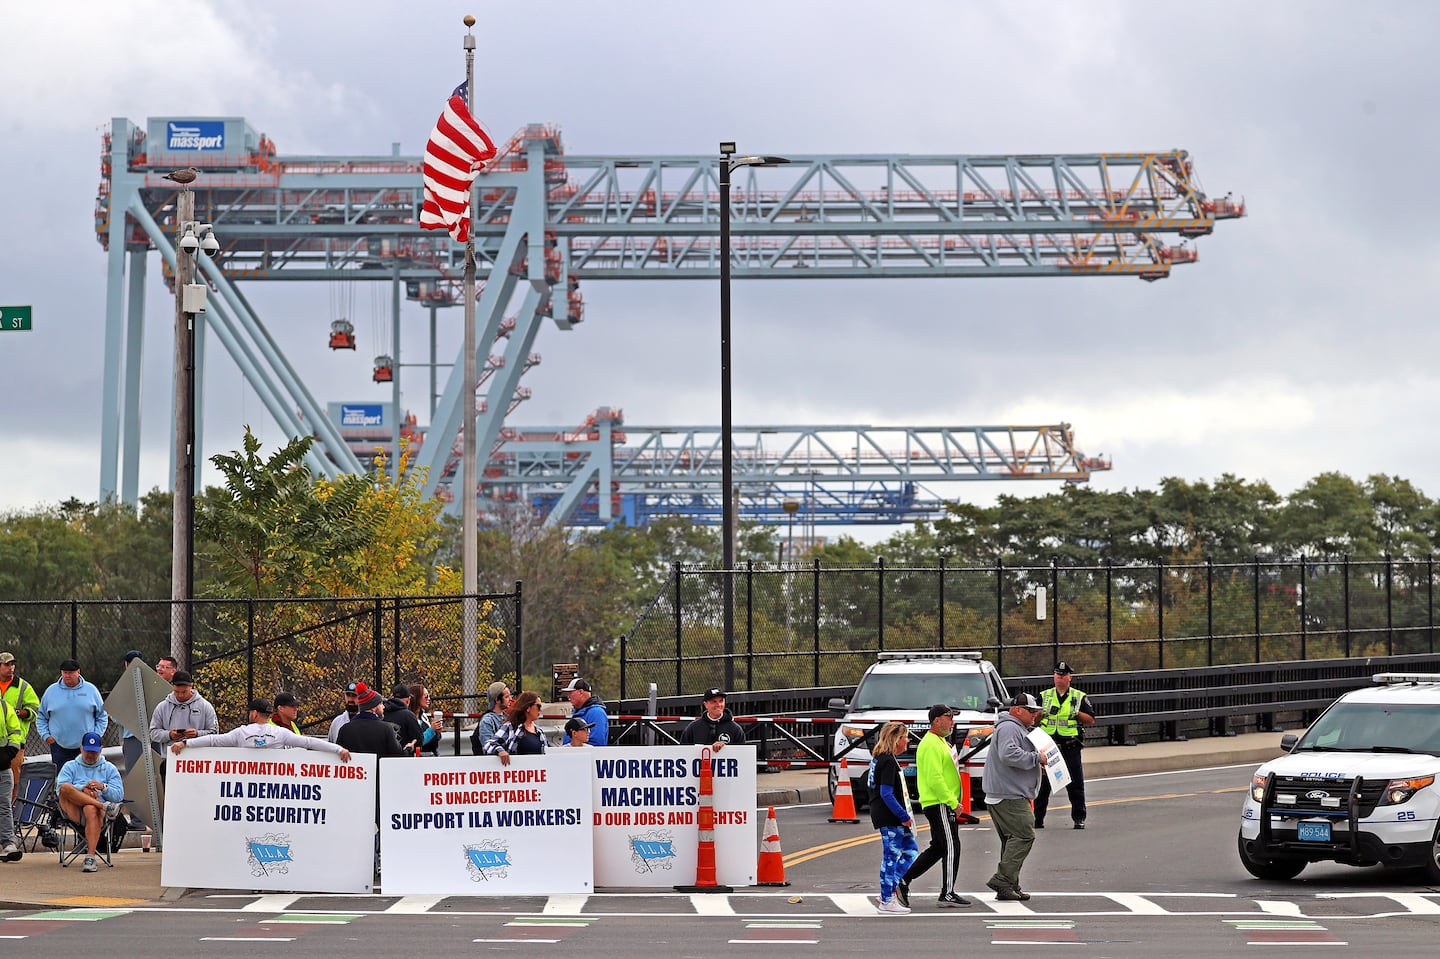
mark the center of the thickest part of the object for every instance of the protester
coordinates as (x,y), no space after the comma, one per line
(287,712)
(10,746)
(577,731)
(890,814)
(70,708)
(367,732)
(21,697)
(398,714)
(90,792)
(354,692)
(1013,768)
(519,736)
(166,667)
(938,781)
(261,733)
(184,714)
(715,727)
(499,698)
(429,722)
(588,707)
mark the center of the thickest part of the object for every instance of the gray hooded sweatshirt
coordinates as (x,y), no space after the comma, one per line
(1012,767)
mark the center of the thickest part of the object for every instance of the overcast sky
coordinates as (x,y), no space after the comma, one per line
(1303,340)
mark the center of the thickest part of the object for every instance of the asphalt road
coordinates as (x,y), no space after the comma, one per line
(1154,874)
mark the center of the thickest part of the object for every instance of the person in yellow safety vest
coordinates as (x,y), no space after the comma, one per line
(22,698)
(1066,712)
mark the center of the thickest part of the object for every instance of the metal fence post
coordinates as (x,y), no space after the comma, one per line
(1303,647)
(1389,606)
(375,638)
(395,640)
(749,624)
(75,630)
(624,656)
(679,650)
(250,649)
(879,603)
(942,601)
(815,610)
(1430,599)
(519,634)
(1109,617)
(1160,609)
(1257,607)
(1209,611)
(1000,615)
(1345,579)
(1055,609)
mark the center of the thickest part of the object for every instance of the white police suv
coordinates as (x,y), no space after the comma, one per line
(1359,787)
(903,686)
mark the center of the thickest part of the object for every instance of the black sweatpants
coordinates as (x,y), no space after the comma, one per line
(944,848)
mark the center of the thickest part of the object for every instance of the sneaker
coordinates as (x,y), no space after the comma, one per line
(951,901)
(902,893)
(1080,824)
(891,907)
(11,852)
(1039,824)
(996,884)
(90,865)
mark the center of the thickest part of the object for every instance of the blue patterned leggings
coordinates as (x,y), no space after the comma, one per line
(898,852)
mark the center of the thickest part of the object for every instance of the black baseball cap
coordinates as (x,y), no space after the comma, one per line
(133,654)
(286,699)
(938,710)
(262,705)
(576,724)
(715,692)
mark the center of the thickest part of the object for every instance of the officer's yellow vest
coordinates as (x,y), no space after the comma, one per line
(1063,722)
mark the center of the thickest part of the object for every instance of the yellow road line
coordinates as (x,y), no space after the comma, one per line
(825,849)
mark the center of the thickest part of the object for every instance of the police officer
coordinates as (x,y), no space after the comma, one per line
(1066,710)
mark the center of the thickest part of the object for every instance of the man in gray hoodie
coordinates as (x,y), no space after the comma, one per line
(184,714)
(1013,769)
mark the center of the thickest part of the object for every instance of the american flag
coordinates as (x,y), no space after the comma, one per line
(458,149)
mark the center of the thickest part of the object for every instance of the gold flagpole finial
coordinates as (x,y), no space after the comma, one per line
(469,20)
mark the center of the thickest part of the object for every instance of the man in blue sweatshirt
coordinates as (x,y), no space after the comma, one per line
(70,708)
(90,793)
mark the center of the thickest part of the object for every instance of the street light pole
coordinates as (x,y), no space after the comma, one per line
(728,163)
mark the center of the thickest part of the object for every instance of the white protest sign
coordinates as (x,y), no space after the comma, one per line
(470,826)
(288,820)
(646,799)
(1055,766)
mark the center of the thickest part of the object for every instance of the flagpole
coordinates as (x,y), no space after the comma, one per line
(468,463)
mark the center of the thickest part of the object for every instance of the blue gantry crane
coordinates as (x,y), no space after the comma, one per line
(546,221)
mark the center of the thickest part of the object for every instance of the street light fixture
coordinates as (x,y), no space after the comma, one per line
(729,162)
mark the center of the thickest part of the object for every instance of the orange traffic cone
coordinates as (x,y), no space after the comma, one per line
(844,808)
(771,868)
(705,873)
(965,817)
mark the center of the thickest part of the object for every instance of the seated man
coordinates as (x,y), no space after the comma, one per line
(90,793)
(261,733)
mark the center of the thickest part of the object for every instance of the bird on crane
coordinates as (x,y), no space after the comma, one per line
(186,175)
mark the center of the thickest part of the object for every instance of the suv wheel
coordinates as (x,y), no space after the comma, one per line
(1432,861)
(1271,869)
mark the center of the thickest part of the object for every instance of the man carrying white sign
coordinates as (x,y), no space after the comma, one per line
(260,733)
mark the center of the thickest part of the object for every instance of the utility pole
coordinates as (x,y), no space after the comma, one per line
(182,546)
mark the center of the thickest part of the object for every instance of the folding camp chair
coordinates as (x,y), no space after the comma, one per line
(73,844)
(35,805)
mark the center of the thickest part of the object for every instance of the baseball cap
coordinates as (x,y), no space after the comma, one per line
(7,657)
(262,705)
(133,654)
(90,743)
(938,710)
(493,694)
(181,678)
(286,699)
(715,692)
(357,689)
(575,724)
(401,691)
(68,664)
(577,683)
(1062,668)
(1026,701)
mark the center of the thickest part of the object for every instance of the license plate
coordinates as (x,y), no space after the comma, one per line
(1313,831)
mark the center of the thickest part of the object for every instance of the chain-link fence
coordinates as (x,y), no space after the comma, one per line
(241,649)
(808,626)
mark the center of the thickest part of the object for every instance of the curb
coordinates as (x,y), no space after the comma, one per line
(791,797)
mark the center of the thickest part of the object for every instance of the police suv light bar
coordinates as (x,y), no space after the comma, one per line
(925,654)
(1392,678)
